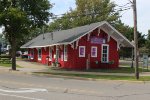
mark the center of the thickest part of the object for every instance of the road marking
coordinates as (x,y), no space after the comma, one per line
(24,90)
(52,88)
(23,97)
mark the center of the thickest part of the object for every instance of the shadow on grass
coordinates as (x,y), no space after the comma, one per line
(8,65)
(89,76)
(116,70)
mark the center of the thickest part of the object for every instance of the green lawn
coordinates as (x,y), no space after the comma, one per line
(117,70)
(107,77)
(59,72)
(8,65)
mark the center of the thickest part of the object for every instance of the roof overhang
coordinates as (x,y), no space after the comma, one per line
(46,45)
(116,35)
(106,27)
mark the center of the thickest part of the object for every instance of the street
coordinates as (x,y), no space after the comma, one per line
(16,86)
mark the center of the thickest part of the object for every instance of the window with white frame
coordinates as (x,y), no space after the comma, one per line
(39,54)
(105,53)
(93,51)
(65,53)
(32,54)
(50,54)
(81,51)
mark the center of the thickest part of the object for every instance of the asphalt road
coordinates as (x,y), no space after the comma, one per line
(30,87)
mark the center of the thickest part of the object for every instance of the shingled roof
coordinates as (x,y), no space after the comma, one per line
(71,35)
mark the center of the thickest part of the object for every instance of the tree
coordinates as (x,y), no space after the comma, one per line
(87,12)
(19,17)
(148,42)
(128,31)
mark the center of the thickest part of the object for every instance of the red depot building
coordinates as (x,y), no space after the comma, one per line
(91,46)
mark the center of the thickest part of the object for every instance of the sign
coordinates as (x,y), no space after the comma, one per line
(96,40)
(145,61)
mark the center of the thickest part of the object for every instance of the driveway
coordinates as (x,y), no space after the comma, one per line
(28,66)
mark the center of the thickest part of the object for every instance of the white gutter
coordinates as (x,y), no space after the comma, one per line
(119,33)
(65,43)
(46,45)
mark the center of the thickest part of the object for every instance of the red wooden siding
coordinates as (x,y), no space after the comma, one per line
(76,62)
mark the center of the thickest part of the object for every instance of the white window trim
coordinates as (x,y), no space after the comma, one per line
(107,53)
(50,54)
(91,51)
(32,57)
(38,54)
(65,54)
(84,51)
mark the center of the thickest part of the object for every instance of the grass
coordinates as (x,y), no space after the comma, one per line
(8,65)
(19,58)
(117,70)
(59,72)
(107,77)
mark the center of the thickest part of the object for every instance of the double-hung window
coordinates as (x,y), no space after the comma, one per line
(65,53)
(93,51)
(50,54)
(81,51)
(39,54)
(105,53)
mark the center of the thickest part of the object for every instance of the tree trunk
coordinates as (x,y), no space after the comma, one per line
(13,53)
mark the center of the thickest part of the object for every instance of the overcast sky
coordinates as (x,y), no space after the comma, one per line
(143,6)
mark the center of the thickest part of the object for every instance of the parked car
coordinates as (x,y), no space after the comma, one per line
(24,54)
(18,53)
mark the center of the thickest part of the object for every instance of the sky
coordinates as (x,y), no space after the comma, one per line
(61,7)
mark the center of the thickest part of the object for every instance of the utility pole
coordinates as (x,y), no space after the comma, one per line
(136,51)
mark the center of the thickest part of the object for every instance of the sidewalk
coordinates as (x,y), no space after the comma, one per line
(36,67)
(26,67)
(30,67)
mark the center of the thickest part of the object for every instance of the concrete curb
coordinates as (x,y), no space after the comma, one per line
(86,79)
(21,71)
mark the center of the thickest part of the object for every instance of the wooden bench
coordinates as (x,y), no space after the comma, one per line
(5,59)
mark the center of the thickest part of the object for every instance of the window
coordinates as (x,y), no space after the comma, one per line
(81,51)
(50,54)
(32,54)
(65,53)
(94,51)
(39,54)
(105,53)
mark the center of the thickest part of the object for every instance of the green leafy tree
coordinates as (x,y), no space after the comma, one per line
(86,12)
(128,32)
(19,17)
(148,42)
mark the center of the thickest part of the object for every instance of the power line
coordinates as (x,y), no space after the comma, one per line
(88,14)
